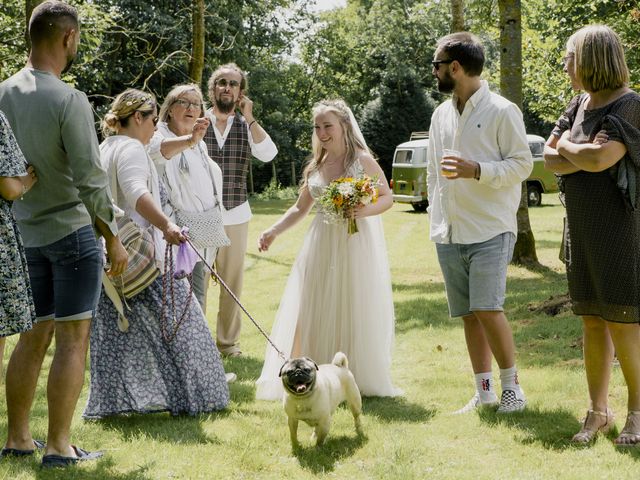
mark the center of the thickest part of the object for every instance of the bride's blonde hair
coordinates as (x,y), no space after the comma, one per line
(352,144)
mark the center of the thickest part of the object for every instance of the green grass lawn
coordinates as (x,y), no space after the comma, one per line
(410,437)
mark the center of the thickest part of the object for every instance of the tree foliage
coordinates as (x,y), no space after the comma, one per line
(401,107)
(296,57)
(550,27)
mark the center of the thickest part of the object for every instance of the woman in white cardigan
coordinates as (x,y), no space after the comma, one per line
(143,370)
(193,180)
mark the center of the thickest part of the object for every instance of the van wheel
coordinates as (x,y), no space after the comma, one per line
(420,206)
(534,195)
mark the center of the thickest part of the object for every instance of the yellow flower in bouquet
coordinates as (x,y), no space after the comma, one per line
(343,195)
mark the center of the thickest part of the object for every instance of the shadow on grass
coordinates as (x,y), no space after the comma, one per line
(552,429)
(411,211)
(546,205)
(541,339)
(163,427)
(248,370)
(323,459)
(102,470)
(242,393)
(244,366)
(396,409)
(421,312)
(423,288)
(267,259)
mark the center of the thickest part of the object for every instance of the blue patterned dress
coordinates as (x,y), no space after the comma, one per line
(17,312)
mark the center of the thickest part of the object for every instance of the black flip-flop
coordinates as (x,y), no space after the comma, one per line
(16,452)
(52,460)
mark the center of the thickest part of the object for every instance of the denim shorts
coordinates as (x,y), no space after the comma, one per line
(66,276)
(475,274)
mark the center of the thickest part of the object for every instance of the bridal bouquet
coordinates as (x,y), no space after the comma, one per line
(344,194)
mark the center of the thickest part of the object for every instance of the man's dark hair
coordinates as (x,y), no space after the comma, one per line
(466,49)
(50,19)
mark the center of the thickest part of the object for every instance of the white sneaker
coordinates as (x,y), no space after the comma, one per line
(475,402)
(231,377)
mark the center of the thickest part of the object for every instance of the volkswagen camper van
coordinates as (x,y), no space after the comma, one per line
(409,172)
(540,181)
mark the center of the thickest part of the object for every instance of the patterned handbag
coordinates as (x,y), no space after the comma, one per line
(142,269)
(206,229)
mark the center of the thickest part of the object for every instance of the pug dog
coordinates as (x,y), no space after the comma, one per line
(312,393)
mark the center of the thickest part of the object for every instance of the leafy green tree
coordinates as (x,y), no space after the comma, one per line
(13,53)
(295,58)
(354,48)
(14,47)
(549,25)
(546,26)
(388,120)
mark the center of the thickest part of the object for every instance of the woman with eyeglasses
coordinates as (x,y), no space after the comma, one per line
(141,370)
(595,146)
(193,180)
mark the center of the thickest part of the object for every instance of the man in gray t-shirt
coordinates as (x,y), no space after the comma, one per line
(53,124)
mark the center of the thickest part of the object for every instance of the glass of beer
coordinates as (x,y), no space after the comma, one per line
(447,169)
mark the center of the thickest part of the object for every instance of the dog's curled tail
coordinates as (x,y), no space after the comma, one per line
(340,360)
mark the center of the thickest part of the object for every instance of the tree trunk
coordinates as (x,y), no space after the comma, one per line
(29,5)
(457,16)
(524,252)
(196,65)
(511,88)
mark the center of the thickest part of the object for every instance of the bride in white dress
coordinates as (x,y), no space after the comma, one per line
(338,295)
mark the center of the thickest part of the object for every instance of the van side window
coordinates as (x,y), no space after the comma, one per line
(536,148)
(403,156)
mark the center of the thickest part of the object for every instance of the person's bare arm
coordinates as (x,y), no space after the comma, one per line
(292,216)
(555,162)
(591,157)
(12,188)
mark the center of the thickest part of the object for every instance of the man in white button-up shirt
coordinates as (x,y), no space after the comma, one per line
(474,192)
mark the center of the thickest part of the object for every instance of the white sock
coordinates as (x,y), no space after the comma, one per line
(509,381)
(484,386)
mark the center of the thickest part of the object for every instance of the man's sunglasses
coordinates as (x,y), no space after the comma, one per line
(436,63)
(223,82)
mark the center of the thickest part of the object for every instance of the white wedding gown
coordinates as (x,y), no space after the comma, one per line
(338,296)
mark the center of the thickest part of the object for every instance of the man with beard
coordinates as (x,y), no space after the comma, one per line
(474,192)
(54,127)
(232,138)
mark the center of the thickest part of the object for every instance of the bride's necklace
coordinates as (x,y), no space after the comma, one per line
(333,169)
(335,161)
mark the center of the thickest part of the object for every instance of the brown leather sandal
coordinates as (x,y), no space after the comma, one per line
(594,422)
(630,434)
